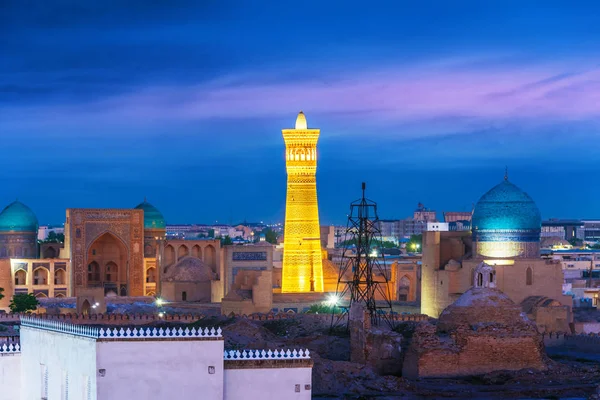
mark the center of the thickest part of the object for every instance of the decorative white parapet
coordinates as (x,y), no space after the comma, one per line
(122,333)
(11,348)
(173,333)
(57,326)
(266,354)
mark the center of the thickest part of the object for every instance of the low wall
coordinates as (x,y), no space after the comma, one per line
(587,327)
(584,342)
(268,379)
(10,374)
(107,319)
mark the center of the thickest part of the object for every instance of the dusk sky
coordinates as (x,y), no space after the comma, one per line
(105,102)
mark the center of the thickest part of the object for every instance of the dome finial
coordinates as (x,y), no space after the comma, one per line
(301,121)
(506,173)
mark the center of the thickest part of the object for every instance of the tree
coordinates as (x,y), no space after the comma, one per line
(226,241)
(23,302)
(415,244)
(270,236)
(54,237)
(1,293)
(211,233)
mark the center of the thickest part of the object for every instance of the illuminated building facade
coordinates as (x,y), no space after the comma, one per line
(505,235)
(302,264)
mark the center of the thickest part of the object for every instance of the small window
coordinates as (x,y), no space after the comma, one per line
(93,252)
(184,296)
(529,277)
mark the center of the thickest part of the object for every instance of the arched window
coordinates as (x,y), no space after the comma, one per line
(529,277)
(182,251)
(480,279)
(151,275)
(40,276)
(404,289)
(93,272)
(169,255)
(112,272)
(59,277)
(20,277)
(184,296)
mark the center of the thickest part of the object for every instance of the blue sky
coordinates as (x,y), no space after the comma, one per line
(105,102)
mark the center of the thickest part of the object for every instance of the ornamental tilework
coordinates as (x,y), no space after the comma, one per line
(90,224)
(249,256)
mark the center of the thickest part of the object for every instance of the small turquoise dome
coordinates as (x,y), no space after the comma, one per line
(17,217)
(153,219)
(506,207)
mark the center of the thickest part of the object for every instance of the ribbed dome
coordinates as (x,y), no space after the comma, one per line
(153,219)
(17,217)
(506,207)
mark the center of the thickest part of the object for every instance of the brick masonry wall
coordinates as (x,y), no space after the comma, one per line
(471,353)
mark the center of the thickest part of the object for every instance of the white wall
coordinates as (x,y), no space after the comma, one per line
(159,370)
(10,376)
(63,355)
(267,384)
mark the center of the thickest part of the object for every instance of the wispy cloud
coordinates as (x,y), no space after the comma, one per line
(389,96)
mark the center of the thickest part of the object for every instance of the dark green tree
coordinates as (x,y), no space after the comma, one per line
(270,236)
(54,237)
(226,241)
(211,233)
(23,302)
(415,244)
(1,293)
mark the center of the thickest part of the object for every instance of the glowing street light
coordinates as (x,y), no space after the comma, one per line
(332,300)
(159,302)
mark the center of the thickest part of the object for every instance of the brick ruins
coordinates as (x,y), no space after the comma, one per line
(482,332)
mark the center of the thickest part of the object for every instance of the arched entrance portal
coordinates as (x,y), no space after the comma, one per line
(107,264)
(404,289)
(85,307)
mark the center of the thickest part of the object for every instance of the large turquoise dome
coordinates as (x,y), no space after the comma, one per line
(17,217)
(506,223)
(153,219)
(506,206)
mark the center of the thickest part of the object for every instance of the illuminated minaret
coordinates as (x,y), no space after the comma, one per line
(302,265)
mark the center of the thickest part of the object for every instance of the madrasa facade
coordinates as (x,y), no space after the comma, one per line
(505,234)
(111,252)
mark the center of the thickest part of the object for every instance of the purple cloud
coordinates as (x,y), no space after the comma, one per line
(388,96)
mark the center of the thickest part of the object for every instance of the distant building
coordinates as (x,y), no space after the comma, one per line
(424,214)
(454,216)
(561,228)
(590,232)
(438,226)
(328,237)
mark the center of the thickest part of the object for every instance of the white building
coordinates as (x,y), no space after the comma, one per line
(44,231)
(58,360)
(438,226)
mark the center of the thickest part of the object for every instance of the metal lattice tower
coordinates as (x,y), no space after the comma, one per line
(363,277)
